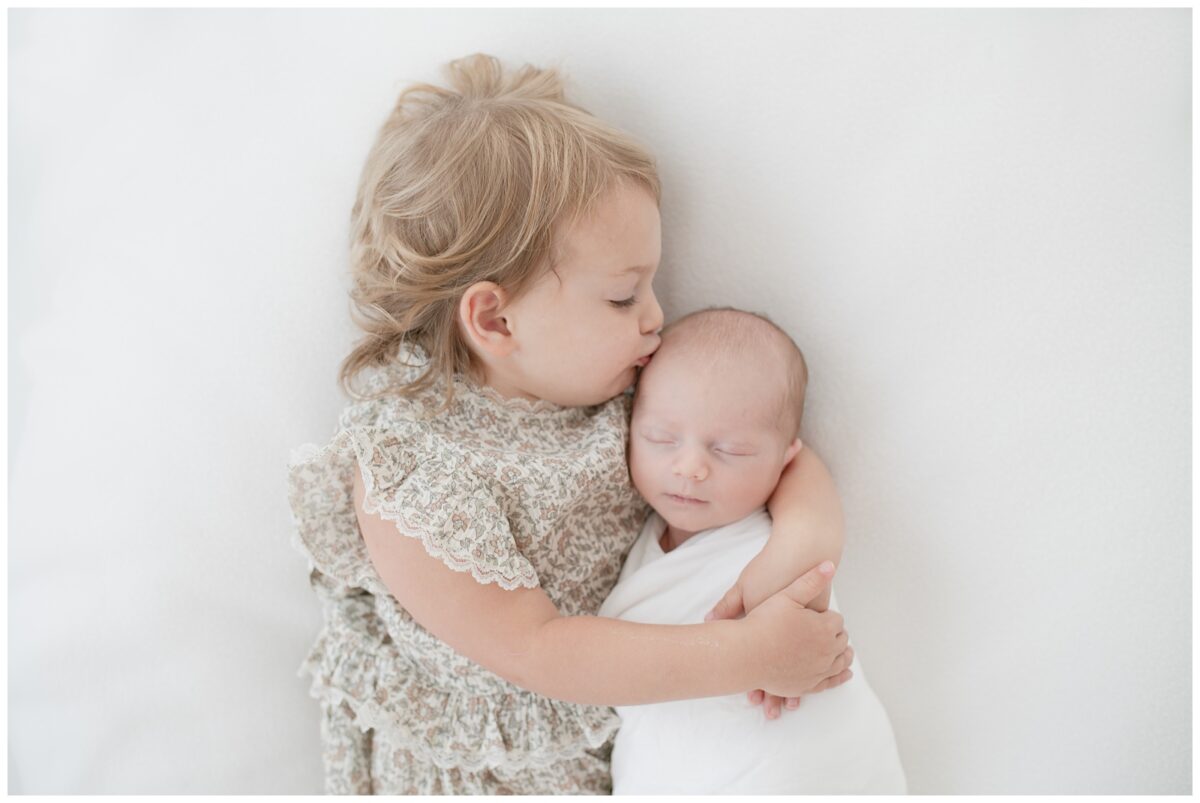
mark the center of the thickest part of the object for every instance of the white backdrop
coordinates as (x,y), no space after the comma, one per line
(976,224)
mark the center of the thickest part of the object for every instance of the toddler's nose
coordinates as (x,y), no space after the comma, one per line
(652,318)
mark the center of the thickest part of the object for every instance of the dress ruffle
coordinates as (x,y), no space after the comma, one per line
(512,731)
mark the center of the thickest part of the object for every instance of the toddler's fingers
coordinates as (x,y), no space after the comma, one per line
(805,588)
(729,606)
(755,697)
(844,660)
(793,703)
(837,680)
(772,706)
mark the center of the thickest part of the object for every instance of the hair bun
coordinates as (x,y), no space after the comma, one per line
(480,76)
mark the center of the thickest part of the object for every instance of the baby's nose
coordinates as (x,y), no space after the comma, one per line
(691,468)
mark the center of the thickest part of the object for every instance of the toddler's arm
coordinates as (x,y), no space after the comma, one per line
(520,635)
(806,529)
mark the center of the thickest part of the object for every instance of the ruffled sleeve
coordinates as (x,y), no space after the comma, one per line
(414,478)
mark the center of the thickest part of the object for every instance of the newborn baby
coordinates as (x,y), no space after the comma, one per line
(715,421)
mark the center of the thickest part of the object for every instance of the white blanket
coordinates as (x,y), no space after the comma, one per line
(838,741)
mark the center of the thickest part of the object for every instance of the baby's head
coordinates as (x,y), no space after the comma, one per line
(716,418)
(495,225)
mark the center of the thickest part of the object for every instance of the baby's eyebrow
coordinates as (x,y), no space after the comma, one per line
(633,269)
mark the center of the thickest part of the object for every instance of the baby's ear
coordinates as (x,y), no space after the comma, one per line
(793,449)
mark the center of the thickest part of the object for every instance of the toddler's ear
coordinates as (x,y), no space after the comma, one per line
(480,314)
(792,450)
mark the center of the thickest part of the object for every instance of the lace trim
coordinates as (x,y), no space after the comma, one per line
(519,404)
(306,453)
(523,579)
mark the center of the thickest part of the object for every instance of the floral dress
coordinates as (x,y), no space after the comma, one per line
(516,493)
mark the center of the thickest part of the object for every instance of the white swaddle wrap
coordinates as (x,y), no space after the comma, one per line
(838,741)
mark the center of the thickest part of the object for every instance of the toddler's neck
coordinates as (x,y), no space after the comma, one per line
(508,391)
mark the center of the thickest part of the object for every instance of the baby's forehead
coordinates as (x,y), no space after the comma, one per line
(735,355)
(749,382)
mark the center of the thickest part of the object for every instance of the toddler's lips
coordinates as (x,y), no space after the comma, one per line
(643,361)
(685,500)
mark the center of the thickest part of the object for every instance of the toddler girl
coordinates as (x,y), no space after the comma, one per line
(473,508)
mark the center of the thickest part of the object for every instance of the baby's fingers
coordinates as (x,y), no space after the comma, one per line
(772,704)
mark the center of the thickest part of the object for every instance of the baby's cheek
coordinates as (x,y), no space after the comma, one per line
(746,489)
(639,471)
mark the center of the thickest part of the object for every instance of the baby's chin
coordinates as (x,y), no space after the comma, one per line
(691,521)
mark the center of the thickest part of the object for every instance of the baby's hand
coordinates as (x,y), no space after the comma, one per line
(774,705)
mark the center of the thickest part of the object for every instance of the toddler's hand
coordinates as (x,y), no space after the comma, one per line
(799,650)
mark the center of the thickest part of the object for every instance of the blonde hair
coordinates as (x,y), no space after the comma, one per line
(735,333)
(464,184)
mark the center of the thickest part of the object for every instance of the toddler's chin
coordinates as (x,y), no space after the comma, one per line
(575,397)
(601,395)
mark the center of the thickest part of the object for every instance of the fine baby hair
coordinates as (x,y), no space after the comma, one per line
(720,333)
(469,183)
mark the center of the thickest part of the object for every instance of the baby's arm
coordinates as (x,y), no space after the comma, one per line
(520,635)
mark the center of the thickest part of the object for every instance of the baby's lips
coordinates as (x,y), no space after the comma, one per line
(683,499)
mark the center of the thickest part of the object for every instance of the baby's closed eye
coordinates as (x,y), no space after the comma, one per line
(737,448)
(658,437)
